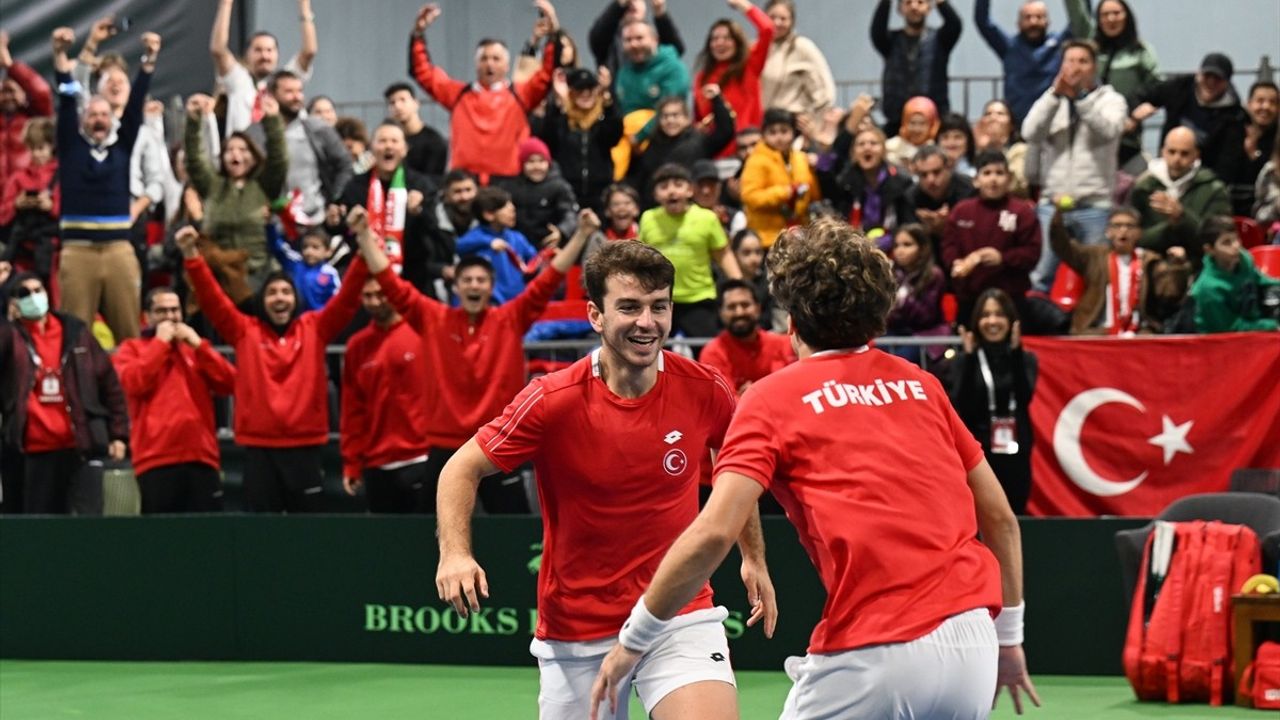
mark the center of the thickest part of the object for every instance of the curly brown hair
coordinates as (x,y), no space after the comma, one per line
(836,284)
(627,257)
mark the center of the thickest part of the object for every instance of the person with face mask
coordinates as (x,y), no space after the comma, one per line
(52,372)
(282,408)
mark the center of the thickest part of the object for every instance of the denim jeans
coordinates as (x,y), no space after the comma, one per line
(1086,224)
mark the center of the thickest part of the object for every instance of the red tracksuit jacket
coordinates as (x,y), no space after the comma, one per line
(384,398)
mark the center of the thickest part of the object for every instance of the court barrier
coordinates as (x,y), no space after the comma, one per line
(361,589)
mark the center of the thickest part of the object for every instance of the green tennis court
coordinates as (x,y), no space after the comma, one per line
(31,690)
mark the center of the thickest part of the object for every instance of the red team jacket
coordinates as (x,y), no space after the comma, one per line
(477,369)
(744,361)
(281,386)
(385,398)
(170,389)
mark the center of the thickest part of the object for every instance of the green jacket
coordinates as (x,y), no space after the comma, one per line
(233,216)
(1228,302)
(1204,197)
(640,87)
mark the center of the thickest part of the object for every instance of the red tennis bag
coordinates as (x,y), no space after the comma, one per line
(1178,647)
(1261,680)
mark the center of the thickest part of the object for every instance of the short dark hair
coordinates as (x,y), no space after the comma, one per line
(672,100)
(396,87)
(486,42)
(149,300)
(990,157)
(489,200)
(1259,85)
(924,152)
(649,267)
(736,241)
(279,75)
(778,116)
(458,175)
(616,188)
(264,33)
(1088,46)
(836,284)
(351,128)
(957,122)
(669,172)
(470,261)
(1129,210)
(311,104)
(15,282)
(732,284)
(1215,227)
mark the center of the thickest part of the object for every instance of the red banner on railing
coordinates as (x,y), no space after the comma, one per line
(1127,426)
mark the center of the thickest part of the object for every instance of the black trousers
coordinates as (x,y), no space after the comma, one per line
(405,490)
(181,488)
(61,482)
(283,479)
(696,320)
(500,494)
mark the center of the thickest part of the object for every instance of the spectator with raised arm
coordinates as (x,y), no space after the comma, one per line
(677,140)
(30,199)
(915,56)
(23,95)
(246,83)
(1030,58)
(428,150)
(170,376)
(488,118)
(580,129)
(1116,277)
(605,36)
(99,270)
(307,266)
(735,67)
(796,75)
(282,409)
(867,191)
(651,69)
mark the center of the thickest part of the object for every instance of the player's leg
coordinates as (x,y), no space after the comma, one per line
(687,673)
(564,691)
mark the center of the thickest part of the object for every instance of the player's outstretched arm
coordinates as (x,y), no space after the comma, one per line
(755,575)
(688,564)
(460,580)
(999,528)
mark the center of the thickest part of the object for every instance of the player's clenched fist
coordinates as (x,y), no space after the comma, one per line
(461,582)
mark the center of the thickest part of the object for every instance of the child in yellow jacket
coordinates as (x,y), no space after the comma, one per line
(777,182)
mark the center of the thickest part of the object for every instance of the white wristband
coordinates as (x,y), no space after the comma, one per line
(1009,624)
(642,629)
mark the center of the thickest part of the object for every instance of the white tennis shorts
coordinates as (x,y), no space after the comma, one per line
(694,649)
(949,674)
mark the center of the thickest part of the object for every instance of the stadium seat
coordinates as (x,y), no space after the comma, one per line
(950,308)
(1267,258)
(1250,232)
(1261,513)
(1068,286)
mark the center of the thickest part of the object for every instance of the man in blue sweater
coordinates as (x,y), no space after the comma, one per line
(1030,59)
(99,270)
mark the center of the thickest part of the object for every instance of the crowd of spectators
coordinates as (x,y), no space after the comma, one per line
(253,230)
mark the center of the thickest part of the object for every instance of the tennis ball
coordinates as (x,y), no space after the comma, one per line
(875,233)
(1066,202)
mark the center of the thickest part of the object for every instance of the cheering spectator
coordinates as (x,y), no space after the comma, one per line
(29,204)
(544,203)
(321,107)
(992,240)
(1176,194)
(487,118)
(353,134)
(170,376)
(917,305)
(308,267)
(749,252)
(450,216)
(1246,153)
(915,57)
(744,352)
(580,130)
(955,137)
(319,164)
(495,239)
(61,401)
(1266,208)
(919,128)
(475,351)
(385,402)
(237,197)
(428,150)
(708,192)
(23,95)
(728,63)
(651,71)
(606,38)
(678,141)
(777,184)
(1030,59)
(1124,62)
(868,192)
(1115,278)
(995,131)
(1226,293)
(691,238)
(622,210)
(991,389)
(99,269)
(282,408)
(796,75)
(939,189)
(1075,128)
(246,84)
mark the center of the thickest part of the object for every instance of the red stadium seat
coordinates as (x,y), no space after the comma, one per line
(1250,232)
(1267,258)
(1068,286)
(950,308)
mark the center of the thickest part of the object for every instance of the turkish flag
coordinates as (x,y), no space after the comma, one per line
(1125,426)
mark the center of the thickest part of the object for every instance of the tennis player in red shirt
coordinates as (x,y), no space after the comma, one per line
(889,515)
(616,440)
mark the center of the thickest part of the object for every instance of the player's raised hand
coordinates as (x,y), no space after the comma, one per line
(616,668)
(760,595)
(1012,674)
(461,582)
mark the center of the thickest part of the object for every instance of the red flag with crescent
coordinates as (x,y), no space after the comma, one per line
(1127,426)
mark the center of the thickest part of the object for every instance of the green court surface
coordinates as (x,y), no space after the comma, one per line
(44,690)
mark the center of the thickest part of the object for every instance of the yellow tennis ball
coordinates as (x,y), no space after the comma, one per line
(875,233)
(1066,202)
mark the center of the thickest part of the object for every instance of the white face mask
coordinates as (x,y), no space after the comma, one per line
(34,306)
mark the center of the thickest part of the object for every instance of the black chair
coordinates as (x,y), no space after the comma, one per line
(1261,513)
(1256,480)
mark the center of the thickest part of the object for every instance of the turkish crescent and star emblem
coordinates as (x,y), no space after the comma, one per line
(1172,440)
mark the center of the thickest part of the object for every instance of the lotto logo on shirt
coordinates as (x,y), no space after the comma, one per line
(675,462)
(834,394)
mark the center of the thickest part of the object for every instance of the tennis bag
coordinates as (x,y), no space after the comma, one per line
(1261,680)
(1178,646)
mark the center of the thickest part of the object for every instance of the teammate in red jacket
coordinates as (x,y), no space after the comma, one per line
(282,409)
(170,376)
(475,352)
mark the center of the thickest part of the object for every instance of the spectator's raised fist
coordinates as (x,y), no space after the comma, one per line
(198,104)
(588,221)
(549,12)
(269,105)
(63,38)
(426,16)
(605,78)
(358,220)
(739,5)
(6,60)
(659,7)
(711,91)
(187,334)
(185,239)
(151,44)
